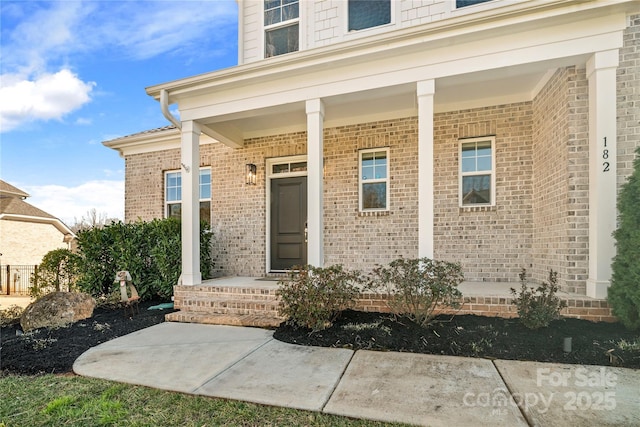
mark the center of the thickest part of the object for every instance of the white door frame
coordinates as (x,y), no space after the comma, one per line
(269,176)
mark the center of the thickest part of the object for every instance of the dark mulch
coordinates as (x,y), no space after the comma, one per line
(475,336)
(54,350)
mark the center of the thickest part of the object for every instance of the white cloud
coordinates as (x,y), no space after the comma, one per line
(70,203)
(50,96)
(164,27)
(37,83)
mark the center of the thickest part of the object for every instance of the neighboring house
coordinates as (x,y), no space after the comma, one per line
(26,232)
(492,133)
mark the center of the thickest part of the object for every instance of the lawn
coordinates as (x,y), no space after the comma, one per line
(68,400)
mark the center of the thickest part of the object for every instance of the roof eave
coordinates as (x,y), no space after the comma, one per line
(348,50)
(40,220)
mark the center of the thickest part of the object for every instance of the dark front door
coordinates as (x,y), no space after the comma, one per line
(288,222)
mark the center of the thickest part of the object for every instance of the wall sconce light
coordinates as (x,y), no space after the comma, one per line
(251,174)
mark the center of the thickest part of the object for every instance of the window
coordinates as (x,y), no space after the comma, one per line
(288,167)
(477,172)
(368,13)
(463,3)
(281,27)
(374,180)
(173,194)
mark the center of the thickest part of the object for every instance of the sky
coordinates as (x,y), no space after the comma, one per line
(73,74)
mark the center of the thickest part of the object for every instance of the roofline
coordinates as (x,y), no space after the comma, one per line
(318,57)
(145,142)
(21,194)
(41,220)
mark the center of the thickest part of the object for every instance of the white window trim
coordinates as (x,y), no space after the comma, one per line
(386,180)
(298,20)
(167,203)
(394,5)
(489,4)
(461,174)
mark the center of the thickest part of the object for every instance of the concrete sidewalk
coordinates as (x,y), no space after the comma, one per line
(249,364)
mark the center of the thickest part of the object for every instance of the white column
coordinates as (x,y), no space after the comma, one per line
(315,223)
(425,91)
(601,72)
(190,172)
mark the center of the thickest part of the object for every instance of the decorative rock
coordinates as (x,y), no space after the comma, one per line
(57,309)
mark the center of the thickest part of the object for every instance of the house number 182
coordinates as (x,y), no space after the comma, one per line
(605,156)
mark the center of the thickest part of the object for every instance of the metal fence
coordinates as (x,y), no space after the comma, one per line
(16,279)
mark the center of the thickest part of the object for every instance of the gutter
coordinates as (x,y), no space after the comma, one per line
(164,105)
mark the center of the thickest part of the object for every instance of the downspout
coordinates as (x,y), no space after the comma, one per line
(164,105)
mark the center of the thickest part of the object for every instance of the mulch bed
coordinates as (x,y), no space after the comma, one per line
(55,350)
(476,336)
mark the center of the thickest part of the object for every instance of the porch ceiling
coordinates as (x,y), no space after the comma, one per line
(463,91)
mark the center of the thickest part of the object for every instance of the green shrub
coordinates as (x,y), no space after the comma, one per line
(58,271)
(417,287)
(538,307)
(313,297)
(150,251)
(624,292)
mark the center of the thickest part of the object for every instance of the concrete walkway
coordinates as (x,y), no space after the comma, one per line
(249,364)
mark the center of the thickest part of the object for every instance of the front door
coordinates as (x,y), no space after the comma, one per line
(288,222)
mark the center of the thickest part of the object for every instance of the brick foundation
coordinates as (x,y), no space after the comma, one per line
(499,306)
(249,306)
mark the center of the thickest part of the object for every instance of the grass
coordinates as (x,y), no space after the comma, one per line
(52,400)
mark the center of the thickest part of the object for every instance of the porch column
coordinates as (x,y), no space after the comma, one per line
(601,72)
(425,91)
(190,173)
(315,223)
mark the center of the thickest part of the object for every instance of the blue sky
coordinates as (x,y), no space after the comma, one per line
(73,74)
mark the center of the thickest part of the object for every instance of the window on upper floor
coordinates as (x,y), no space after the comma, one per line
(374,180)
(282,29)
(463,3)
(368,13)
(477,172)
(173,194)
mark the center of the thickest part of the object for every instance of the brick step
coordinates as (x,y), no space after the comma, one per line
(194,299)
(258,321)
(206,303)
(240,294)
(227,290)
(241,311)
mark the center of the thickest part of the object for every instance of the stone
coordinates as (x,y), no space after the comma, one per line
(57,309)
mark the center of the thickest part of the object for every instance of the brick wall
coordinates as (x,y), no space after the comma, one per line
(26,243)
(540,220)
(561,180)
(144,181)
(501,306)
(491,243)
(238,210)
(550,195)
(361,240)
